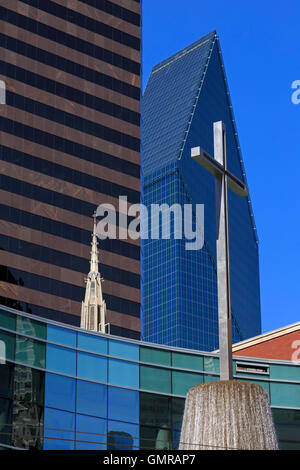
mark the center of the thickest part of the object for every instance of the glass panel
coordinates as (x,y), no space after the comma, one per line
(6,380)
(7,343)
(284,372)
(123,405)
(155,379)
(124,350)
(155,438)
(91,398)
(92,367)
(31,352)
(187,361)
(29,385)
(59,425)
(287,423)
(122,436)
(123,373)
(211,364)
(27,431)
(155,356)
(60,392)
(211,378)
(61,335)
(285,394)
(7,320)
(5,420)
(91,433)
(60,359)
(183,381)
(30,327)
(155,410)
(92,343)
(177,416)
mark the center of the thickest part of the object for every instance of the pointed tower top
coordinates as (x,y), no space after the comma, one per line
(93,309)
(94,253)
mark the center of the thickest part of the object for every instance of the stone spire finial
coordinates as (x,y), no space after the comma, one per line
(93,310)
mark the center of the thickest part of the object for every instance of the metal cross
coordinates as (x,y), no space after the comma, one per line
(223,180)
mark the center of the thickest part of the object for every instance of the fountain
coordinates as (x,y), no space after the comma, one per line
(227,415)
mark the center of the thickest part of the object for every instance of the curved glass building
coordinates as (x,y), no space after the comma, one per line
(62,387)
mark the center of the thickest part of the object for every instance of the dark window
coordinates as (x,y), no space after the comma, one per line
(66,174)
(70,41)
(115,10)
(41,311)
(63,289)
(124,332)
(86,22)
(68,66)
(155,410)
(58,258)
(6,380)
(73,121)
(28,412)
(72,94)
(67,146)
(5,421)
(69,232)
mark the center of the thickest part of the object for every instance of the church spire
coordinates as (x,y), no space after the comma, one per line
(94,253)
(93,310)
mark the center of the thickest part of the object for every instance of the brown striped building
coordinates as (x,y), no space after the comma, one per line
(69,140)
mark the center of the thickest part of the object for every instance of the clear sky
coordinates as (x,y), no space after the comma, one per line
(260,41)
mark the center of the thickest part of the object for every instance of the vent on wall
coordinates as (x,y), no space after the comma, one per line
(252,368)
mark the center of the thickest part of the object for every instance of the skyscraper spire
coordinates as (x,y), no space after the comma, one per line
(93,310)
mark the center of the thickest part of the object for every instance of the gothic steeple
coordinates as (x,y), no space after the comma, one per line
(93,310)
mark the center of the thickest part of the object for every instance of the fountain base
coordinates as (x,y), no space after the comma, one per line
(227,415)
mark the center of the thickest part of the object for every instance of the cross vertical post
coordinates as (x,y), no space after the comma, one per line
(223,180)
(223,263)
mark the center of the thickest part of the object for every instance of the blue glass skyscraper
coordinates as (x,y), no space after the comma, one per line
(184,96)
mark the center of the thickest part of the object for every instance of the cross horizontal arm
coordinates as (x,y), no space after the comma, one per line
(215,168)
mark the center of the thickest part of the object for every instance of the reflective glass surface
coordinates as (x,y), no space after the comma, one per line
(123,373)
(124,350)
(59,429)
(285,372)
(8,341)
(155,410)
(155,356)
(90,433)
(91,399)
(122,436)
(123,405)
(155,438)
(183,381)
(287,423)
(7,320)
(92,343)
(155,379)
(187,361)
(6,382)
(285,394)
(30,327)
(60,359)
(61,335)
(30,352)
(59,392)
(5,420)
(92,367)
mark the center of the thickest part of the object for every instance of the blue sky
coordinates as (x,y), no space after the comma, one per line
(260,42)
